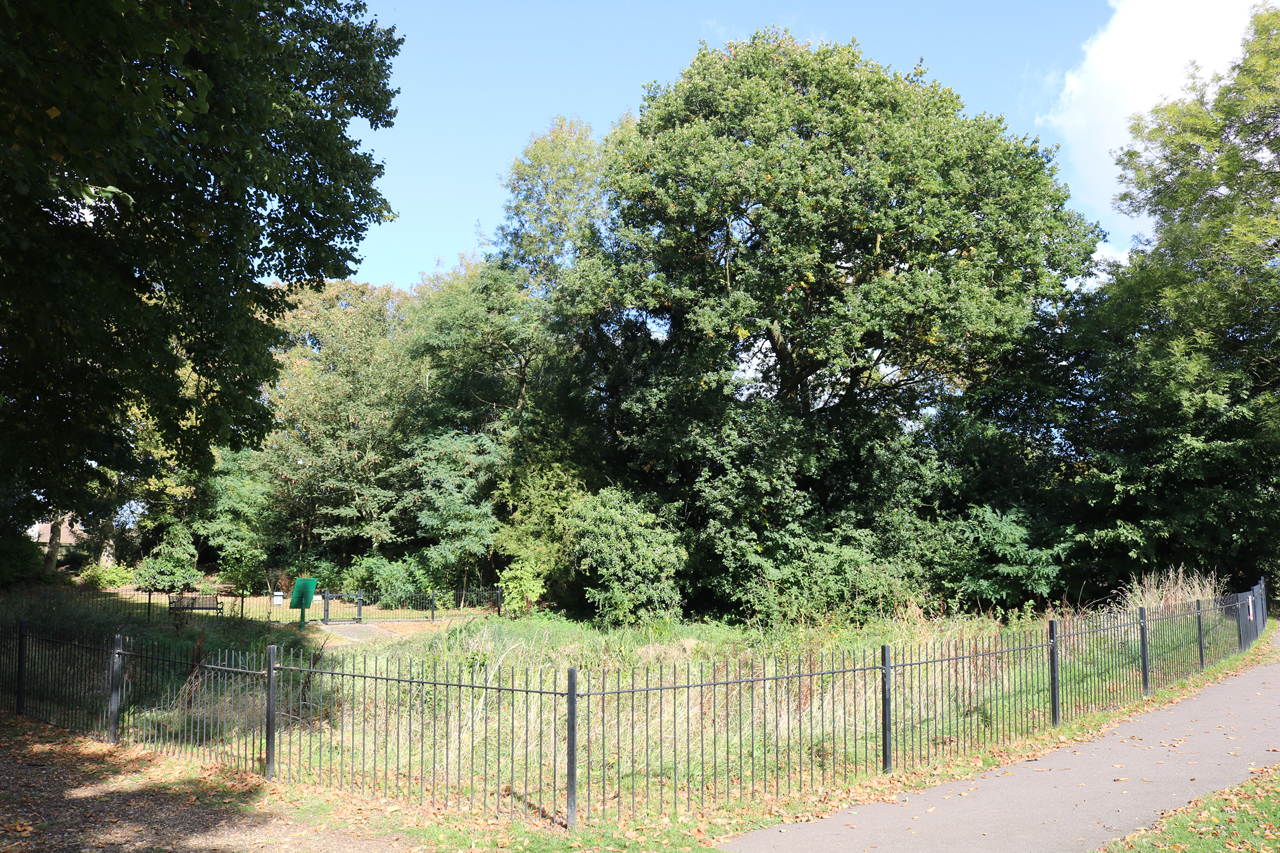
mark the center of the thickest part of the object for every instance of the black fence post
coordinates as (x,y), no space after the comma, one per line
(433,605)
(117,682)
(360,605)
(1200,633)
(20,700)
(499,601)
(1146,657)
(1055,699)
(326,606)
(269,768)
(571,748)
(148,606)
(886,710)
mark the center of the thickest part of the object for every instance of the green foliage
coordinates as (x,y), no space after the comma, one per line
(997,559)
(534,538)
(555,204)
(1179,394)
(626,558)
(803,253)
(236,524)
(171,565)
(451,475)
(98,576)
(344,404)
(797,343)
(845,228)
(393,579)
(163,162)
(21,559)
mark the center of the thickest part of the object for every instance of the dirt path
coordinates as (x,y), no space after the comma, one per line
(59,792)
(1077,798)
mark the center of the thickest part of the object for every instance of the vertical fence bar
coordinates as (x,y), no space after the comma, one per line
(325,594)
(20,699)
(360,606)
(571,750)
(1146,657)
(270,726)
(1055,698)
(117,681)
(886,711)
(433,605)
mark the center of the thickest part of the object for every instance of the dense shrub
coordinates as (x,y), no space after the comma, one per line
(627,557)
(98,576)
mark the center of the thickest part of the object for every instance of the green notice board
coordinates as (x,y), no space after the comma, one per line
(304,589)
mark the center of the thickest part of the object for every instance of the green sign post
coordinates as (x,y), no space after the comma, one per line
(304,589)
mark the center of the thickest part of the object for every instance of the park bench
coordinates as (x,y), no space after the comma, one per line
(195,602)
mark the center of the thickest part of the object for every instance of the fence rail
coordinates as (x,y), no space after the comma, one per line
(600,744)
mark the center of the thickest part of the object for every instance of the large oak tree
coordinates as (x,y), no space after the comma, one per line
(806,253)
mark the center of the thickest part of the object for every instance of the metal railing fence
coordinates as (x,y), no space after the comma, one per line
(599,744)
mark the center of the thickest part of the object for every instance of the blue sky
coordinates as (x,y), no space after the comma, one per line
(477,80)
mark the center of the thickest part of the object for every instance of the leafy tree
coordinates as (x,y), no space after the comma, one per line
(368,457)
(485,336)
(1179,349)
(20,559)
(239,522)
(806,252)
(556,203)
(171,565)
(345,403)
(446,480)
(163,160)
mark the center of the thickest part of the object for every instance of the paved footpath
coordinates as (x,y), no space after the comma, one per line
(1074,799)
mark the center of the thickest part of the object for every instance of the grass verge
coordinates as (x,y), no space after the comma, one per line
(1246,818)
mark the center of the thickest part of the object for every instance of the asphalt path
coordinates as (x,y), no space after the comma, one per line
(1077,798)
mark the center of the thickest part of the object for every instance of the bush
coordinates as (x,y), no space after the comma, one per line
(393,580)
(628,557)
(107,577)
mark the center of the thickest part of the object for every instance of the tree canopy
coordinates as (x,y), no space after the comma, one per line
(166,160)
(802,339)
(806,252)
(1180,370)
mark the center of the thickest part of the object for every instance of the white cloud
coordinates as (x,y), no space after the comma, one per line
(1141,56)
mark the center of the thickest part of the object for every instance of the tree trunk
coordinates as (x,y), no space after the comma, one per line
(55,539)
(107,557)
